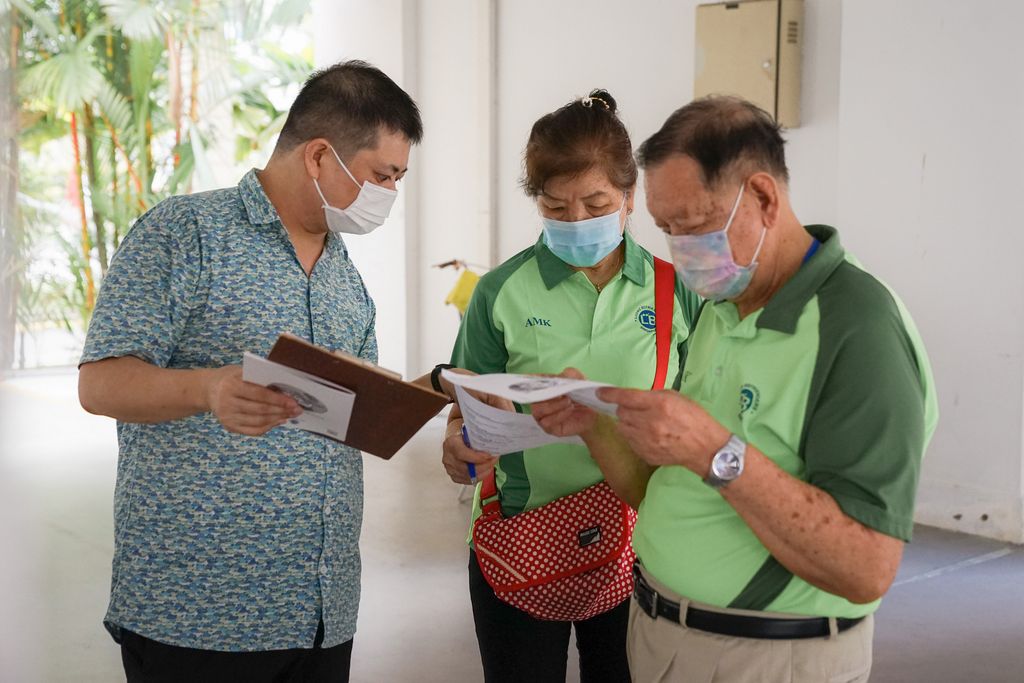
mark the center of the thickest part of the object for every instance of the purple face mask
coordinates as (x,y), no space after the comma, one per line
(705,264)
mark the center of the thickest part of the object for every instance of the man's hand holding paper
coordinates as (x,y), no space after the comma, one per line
(563,416)
(246,408)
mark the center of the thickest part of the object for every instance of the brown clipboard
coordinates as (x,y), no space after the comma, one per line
(387,411)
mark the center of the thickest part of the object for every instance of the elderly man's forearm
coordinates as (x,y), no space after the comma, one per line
(625,473)
(808,533)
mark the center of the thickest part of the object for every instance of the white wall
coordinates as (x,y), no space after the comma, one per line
(812,151)
(911,130)
(550,53)
(454,166)
(909,143)
(440,52)
(381,33)
(930,141)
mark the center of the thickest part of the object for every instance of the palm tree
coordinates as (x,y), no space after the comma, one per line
(129,85)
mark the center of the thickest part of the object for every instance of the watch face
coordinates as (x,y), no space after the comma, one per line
(726,465)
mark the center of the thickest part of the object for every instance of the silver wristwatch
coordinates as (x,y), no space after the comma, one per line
(727,464)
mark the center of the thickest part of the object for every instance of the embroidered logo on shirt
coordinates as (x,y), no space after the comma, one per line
(750,398)
(645,316)
(537,322)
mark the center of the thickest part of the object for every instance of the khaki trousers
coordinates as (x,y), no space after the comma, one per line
(660,651)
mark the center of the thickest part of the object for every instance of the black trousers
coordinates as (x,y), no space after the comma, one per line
(148,661)
(518,648)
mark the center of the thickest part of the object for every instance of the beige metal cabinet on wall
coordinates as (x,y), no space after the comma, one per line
(752,49)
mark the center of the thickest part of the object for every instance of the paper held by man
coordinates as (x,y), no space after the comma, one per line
(500,432)
(326,407)
(526,389)
(344,397)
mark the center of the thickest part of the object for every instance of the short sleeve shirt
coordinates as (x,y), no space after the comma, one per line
(223,541)
(831,381)
(536,314)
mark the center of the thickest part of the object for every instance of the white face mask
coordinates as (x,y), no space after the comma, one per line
(367,213)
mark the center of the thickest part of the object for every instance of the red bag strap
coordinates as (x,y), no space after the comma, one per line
(489,501)
(664,303)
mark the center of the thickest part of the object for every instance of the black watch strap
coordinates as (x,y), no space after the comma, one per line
(435,377)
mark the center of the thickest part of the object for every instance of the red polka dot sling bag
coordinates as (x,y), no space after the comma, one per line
(571,559)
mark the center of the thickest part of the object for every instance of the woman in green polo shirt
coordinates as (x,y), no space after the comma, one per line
(583,297)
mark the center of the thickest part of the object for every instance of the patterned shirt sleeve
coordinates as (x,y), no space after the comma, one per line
(145,300)
(368,351)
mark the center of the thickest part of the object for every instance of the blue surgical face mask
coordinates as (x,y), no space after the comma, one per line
(584,243)
(705,263)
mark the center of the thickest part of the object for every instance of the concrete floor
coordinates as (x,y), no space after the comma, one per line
(955,614)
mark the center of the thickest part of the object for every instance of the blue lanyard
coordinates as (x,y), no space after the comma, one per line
(810,252)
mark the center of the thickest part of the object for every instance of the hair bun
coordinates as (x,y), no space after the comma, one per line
(600,97)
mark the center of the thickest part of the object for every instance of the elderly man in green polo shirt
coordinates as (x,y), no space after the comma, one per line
(776,489)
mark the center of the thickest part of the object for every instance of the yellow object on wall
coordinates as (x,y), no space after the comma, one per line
(463,290)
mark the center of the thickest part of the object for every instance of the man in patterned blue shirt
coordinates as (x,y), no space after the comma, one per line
(236,543)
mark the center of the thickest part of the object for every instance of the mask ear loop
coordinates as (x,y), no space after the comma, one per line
(735,207)
(622,207)
(728,224)
(753,260)
(319,192)
(344,167)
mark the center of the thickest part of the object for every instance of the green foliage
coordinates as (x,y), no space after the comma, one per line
(145,81)
(67,79)
(41,294)
(138,21)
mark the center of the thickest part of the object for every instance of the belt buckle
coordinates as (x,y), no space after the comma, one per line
(646,597)
(653,612)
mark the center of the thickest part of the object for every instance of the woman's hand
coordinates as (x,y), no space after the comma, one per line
(494,401)
(456,455)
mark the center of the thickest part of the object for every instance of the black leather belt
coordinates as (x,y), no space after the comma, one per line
(738,625)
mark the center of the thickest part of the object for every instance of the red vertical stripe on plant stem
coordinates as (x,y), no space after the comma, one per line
(90,285)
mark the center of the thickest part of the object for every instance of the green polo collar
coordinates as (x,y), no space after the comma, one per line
(554,270)
(783,310)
